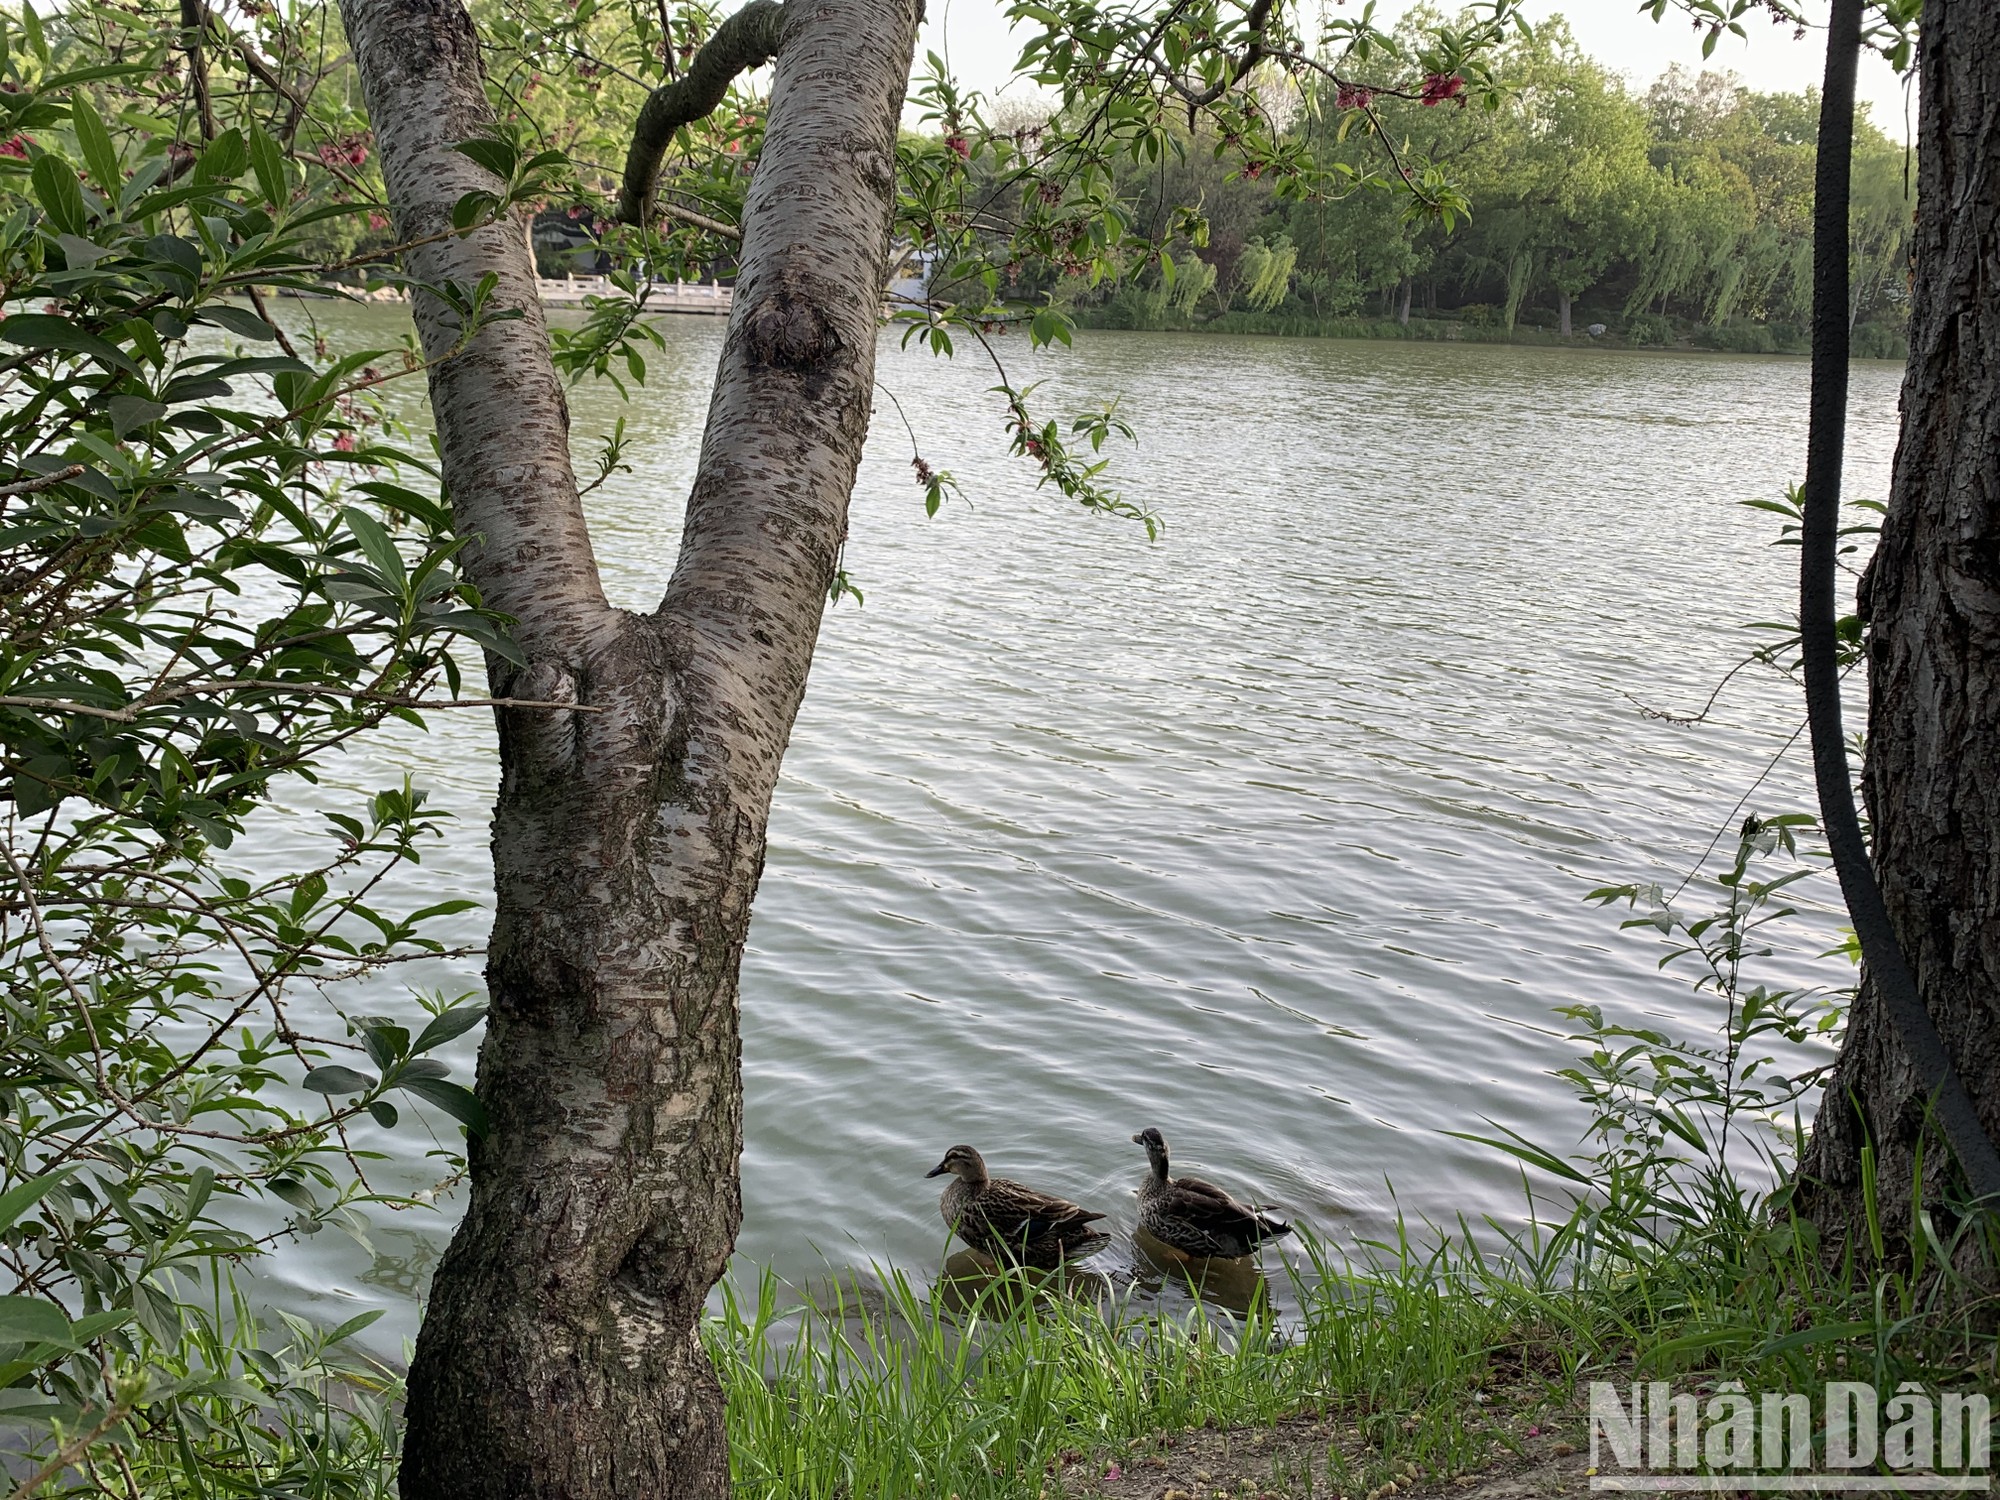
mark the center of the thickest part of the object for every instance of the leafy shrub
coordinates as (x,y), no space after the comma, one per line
(216,569)
(1647,329)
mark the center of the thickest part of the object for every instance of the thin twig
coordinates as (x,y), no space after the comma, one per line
(131,713)
(71,1451)
(700,221)
(45,482)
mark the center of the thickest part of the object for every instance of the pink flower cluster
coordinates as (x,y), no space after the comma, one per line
(350,151)
(1439,87)
(16,147)
(1353,96)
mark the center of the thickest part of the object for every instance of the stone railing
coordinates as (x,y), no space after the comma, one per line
(666,296)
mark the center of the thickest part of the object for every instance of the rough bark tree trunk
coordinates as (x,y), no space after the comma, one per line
(559,1355)
(1932,600)
(1562,311)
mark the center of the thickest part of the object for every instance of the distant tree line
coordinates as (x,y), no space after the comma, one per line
(1683,212)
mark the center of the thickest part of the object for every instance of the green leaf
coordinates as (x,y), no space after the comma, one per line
(334,1079)
(131,412)
(224,160)
(238,320)
(18,1199)
(354,1325)
(99,155)
(38,42)
(454,1099)
(80,254)
(268,161)
(1703,1340)
(57,191)
(385,1041)
(384,1113)
(498,157)
(379,546)
(42,331)
(447,1026)
(1525,1150)
(32,1320)
(1822,1333)
(472,208)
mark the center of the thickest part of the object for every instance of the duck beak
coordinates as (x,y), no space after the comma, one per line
(1139,1140)
(938,1171)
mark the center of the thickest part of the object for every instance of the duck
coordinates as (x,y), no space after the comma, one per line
(1196,1218)
(1010,1221)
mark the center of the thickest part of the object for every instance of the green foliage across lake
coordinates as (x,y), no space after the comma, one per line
(1676,215)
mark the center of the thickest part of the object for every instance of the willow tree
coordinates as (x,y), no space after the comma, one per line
(559,1354)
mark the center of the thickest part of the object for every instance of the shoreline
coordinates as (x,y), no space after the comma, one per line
(1766,344)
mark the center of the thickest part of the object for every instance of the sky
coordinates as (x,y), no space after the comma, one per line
(973,34)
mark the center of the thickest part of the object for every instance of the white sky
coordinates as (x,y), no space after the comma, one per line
(1615,32)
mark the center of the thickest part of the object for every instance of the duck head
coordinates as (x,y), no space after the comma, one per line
(968,1165)
(1156,1150)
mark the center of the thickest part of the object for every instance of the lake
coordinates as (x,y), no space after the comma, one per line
(1274,833)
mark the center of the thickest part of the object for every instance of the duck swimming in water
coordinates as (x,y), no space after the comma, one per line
(1198,1218)
(1010,1221)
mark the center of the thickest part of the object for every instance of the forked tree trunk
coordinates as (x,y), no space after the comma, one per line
(1932,597)
(559,1354)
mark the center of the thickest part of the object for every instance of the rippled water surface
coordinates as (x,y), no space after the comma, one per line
(1274,833)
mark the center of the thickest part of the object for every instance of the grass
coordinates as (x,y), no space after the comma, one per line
(1414,1360)
(1403,1346)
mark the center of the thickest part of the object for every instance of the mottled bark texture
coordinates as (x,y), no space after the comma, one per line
(558,1356)
(1932,600)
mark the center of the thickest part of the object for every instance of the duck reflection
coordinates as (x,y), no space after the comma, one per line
(971,1282)
(1231,1282)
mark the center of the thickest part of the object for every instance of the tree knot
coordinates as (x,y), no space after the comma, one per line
(787,331)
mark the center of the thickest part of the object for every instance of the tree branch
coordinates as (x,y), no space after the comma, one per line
(502,420)
(747,40)
(700,221)
(192,26)
(40,483)
(131,713)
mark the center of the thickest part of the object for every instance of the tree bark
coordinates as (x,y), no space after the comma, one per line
(1562,311)
(559,1355)
(1403,305)
(1932,601)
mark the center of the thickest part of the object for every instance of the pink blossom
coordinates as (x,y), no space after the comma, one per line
(1353,96)
(376,221)
(344,443)
(961,145)
(1439,87)
(1114,1472)
(16,147)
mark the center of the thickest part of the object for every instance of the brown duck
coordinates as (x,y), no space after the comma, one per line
(1010,1221)
(1198,1218)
